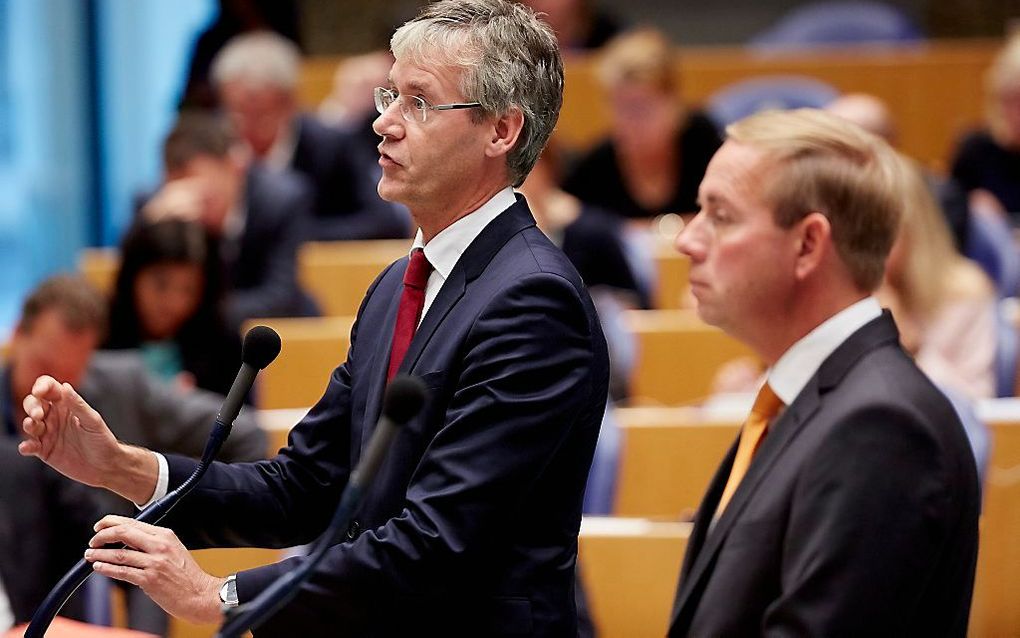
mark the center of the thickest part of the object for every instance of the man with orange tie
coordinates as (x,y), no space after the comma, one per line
(849,504)
(470,528)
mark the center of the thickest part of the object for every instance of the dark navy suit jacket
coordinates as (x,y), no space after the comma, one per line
(857,517)
(471,525)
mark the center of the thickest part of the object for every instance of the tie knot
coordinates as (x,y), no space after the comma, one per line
(418,270)
(766,404)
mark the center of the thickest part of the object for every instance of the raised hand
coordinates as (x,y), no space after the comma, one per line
(66,433)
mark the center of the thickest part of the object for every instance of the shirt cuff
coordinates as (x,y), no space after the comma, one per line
(162,482)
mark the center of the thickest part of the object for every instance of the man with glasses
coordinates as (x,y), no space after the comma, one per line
(471,526)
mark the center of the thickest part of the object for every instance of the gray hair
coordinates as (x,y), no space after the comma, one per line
(262,58)
(510,60)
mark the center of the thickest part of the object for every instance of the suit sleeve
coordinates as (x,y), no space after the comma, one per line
(278,294)
(529,376)
(867,517)
(286,500)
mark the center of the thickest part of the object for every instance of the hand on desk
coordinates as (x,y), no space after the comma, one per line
(158,562)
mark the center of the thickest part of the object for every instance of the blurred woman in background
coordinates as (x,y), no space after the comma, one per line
(943,304)
(657,151)
(167,303)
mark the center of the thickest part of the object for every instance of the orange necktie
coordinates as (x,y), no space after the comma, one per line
(766,407)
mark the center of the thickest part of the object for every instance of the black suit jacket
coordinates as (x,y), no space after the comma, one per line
(45,525)
(344,178)
(471,525)
(857,517)
(261,265)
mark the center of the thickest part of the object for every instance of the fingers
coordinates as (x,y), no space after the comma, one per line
(29,447)
(120,556)
(132,575)
(47,388)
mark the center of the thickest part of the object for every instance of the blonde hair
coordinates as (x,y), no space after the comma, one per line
(931,271)
(643,56)
(828,165)
(1002,76)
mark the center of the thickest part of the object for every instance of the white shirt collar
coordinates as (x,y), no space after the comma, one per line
(445,249)
(281,153)
(801,361)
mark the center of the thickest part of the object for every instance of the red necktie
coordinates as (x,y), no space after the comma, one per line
(412,300)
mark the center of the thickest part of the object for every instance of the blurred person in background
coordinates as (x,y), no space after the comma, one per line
(873,115)
(579,25)
(168,303)
(658,148)
(234,18)
(987,162)
(45,524)
(944,304)
(62,322)
(258,217)
(256,78)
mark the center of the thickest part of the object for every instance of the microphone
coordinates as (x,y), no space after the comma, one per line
(404,398)
(260,347)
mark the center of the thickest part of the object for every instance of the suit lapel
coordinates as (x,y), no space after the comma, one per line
(783,431)
(380,352)
(471,264)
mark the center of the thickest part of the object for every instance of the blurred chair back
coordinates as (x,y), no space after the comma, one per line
(990,244)
(838,23)
(747,97)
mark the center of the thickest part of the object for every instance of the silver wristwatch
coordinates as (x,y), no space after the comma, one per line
(228,592)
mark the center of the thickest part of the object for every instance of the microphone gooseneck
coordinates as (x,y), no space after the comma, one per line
(260,347)
(404,398)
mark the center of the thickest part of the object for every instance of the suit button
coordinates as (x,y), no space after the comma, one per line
(353,530)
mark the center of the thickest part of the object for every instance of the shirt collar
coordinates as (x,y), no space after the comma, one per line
(445,249)
(281,154)
(801,361)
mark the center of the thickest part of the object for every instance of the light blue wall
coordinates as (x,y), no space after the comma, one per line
(54,196)
(44,176)
(144,48)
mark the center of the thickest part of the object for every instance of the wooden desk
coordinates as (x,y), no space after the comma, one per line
(678,356)
(337,274)
(629,568)
(312,348)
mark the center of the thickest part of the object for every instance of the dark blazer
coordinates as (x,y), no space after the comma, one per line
(45,525)
(471,525)
(857,517)
(261,265)
(344,178)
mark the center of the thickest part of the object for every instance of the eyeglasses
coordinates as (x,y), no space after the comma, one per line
(413,108)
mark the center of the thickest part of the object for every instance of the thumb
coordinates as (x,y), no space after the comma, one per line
(87,418)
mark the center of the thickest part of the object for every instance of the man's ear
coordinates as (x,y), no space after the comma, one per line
(814,239)
(505,131)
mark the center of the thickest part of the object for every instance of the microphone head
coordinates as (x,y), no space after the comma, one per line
(260,347)
(404,398)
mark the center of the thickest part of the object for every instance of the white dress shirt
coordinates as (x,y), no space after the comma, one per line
(801,361)
(6,613)
(445,249)
(443,252)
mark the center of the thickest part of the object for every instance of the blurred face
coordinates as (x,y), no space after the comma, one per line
(1009,102)
(643,116)
(430,166)
(742,263)
(259,114)
(166,296)
(217,181)
(48,346)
